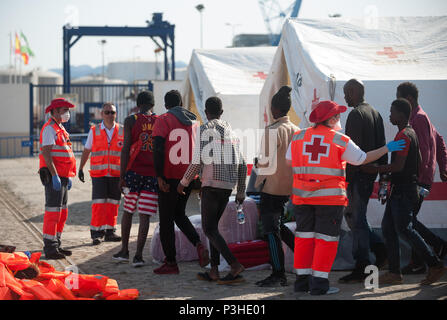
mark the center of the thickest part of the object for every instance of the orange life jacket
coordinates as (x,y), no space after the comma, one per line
(61,153)
(106,157)
(319,176)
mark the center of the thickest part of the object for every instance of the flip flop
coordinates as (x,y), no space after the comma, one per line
(205,276)
(229,279)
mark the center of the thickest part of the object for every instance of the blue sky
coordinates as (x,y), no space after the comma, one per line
(42,20)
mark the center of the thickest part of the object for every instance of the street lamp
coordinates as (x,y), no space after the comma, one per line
(233,27)
(102,43)
(200,8)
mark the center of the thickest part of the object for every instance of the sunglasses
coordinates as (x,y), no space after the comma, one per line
(109,112)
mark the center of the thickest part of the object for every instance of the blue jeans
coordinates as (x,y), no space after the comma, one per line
(398,222)
(359,190)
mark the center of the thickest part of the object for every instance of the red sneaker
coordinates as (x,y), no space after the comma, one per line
(203,254)
(167,268)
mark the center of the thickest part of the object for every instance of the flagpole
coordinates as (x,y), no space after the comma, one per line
(10,58)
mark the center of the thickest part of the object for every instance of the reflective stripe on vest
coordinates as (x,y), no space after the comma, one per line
(318,170)
(61,152)
(106,156)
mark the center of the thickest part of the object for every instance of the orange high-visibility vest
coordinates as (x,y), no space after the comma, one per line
(319,176)
(61,153)
(106,157)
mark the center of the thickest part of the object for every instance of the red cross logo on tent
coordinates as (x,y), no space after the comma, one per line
(388,51)
(260,75)
(316,149)
(315,100)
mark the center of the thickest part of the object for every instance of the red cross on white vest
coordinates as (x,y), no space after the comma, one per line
(389,52)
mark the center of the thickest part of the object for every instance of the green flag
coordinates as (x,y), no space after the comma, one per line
(25,47)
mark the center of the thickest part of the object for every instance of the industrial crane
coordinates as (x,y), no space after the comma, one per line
(274,16)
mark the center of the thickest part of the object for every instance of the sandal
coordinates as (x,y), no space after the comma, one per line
(229,279)
(205,276)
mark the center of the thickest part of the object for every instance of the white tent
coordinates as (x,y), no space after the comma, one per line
(236,75)
(317,57)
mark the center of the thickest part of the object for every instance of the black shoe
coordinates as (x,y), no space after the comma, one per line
(356,276)
(121,256)
(414,269)
(54,255)
(273,280)
(96,241)
(112,237)
(137,262)
(65,252)
(302,283)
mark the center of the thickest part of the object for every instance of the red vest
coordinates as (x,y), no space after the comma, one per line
(106,157)
(319,176)
(61,153)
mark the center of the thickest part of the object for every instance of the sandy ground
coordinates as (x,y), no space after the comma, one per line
(20,179)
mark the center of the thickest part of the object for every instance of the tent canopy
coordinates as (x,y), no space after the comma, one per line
(317,57)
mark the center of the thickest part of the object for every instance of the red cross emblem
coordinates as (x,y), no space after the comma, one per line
(316,149)
(260,75)
(388,51)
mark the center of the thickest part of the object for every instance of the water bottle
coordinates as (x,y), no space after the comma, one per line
(423,192)
(383,191)
(126,190)
(240,215)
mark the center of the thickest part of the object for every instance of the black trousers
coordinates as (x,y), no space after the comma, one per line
(429,237)
(213,204)
(171,206)
(271,210)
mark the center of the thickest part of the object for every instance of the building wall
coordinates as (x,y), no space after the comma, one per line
(14,108)
(160,89)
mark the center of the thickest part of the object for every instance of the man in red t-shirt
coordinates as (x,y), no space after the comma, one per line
(137,180)
(399,212)
(173,135)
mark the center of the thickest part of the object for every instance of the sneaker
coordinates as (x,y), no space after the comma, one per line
(167,268)
(273,280)
(356,276)
(121,256)
(203,254)
(302,283)
(137,262)
(434,274)
(112,237)
(390,278)
(414,269)
(96,241)
(54,255)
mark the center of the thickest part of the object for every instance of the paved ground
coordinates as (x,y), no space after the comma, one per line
(20,185)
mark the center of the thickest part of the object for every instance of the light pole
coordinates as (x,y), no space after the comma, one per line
(200,8)
(134,62)
(102,43)
(233,27)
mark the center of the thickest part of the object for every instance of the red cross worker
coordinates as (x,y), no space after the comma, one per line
(318,156)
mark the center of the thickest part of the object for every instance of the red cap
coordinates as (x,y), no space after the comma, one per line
(325,110)
(58,103)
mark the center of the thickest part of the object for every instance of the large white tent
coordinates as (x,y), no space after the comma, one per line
(236,75)
(317,57)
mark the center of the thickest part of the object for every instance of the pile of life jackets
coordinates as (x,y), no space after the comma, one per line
(50,284)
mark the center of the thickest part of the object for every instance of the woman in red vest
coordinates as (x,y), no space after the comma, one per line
(57,165)
(318,157)
(104,143)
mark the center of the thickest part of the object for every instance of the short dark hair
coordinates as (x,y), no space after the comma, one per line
(214,106)
(173,98)
(408,89)
(403,106)
(145,98)
(281,99)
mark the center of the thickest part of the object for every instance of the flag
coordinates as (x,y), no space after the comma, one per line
(17,45)
(25,48)
(25,58)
